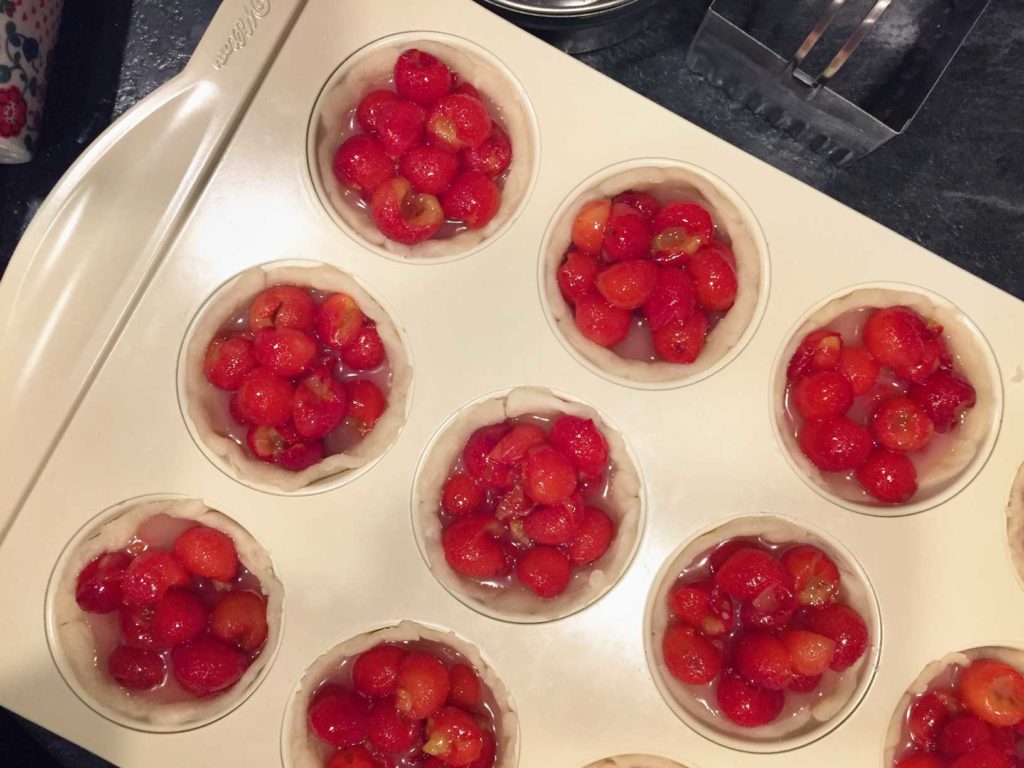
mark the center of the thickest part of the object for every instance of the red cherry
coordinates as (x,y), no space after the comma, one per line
(581,442)
(464,690)
(389,731)
(354,757)
(516,442)
(888,476)
(627,235)
(206,666)
(338,321)
(721,553)
(804,683)
(859,368)
(369,111)
(748,572)
(454,736)
(836,444)
(993,691)
(694,219)
(366,351)
(488,754)
(264,398)
(548,476)
(681,341)
(689,656)
(98,589)
(816,578)
(207,552)
(893,336)
(987,756)
(773,607)
(136,624)
(746,704)
(405,216)
(375,672)
(319,405)
(478,460)
(764,660)
(421,77)
(641,202)
(513,504)
(422,685)
(136,669)
(492,157)
(577,277)
(557,524)
(926,718)
(588,228)
(962,734)
(936,356)
(471,549)
(545,571)
(228,358)
(339,717)
(458,121)
(240,618)
(703,606)
(900,424)
(429,169)
(627,284)
(362,163)
(366,404)
(919,761)
(944,396)
(461,495)
(178,617)
(149,576)
(283,306)
(593,538)
(714,276)
(473,198)
(810,654)
(286,352)
(299,455)
(400,125)
(674,298)
(819,351)
(600,322)
(845,627)
(821,395)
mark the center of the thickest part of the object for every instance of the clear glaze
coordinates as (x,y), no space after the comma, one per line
(159,532)
(849,326)
(341,675)
(596,495)
(700,570)
(350,127)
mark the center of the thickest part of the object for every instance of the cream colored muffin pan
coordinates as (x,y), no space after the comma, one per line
(209,176)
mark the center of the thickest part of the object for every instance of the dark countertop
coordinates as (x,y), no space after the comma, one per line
(953,183)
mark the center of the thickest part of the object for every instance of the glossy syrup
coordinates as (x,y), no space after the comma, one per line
(796,703)
(486,714)
(849,325)
(159,532)
(350,127)
(344,437)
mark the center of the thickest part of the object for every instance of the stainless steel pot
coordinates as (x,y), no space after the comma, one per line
(577,26)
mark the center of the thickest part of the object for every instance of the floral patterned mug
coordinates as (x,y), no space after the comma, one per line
(28,33)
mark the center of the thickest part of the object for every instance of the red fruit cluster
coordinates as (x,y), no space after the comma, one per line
(285,370)
(429,152)
(973,720)
(523,502)
(404,705)
(183,610)
(632,258)
(758,622)
(902,378)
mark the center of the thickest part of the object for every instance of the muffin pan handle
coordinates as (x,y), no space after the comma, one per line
(71,289)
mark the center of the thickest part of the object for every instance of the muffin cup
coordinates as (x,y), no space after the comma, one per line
(637,761)
(365,69)
(971,442)
(735,224)
(202,405)
(828,712)
(71,640)
(1012,656)
(517,604)
(299,747)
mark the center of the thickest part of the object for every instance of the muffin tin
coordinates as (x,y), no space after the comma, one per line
(97,302)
